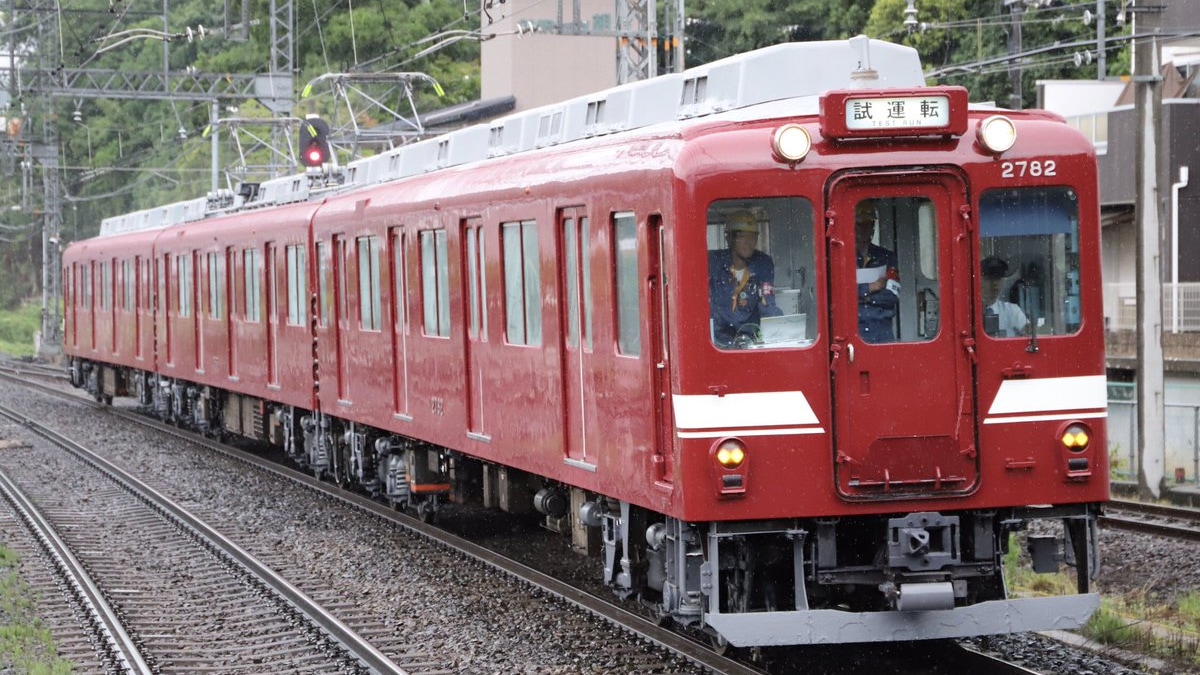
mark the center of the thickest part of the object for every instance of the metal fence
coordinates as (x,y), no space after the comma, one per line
(1182,440)
(1181,307)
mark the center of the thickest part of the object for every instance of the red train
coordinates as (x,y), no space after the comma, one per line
(632,312)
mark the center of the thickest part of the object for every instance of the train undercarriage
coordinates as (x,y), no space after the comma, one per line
(903,576)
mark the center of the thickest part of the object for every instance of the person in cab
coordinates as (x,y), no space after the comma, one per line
(878,278)
(741,282)
(1000,317)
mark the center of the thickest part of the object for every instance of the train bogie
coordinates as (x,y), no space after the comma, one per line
(795,362)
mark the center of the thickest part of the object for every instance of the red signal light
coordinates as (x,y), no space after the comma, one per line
(314,155)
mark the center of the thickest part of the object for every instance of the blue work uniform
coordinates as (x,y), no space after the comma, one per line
(876,310)
(734,303)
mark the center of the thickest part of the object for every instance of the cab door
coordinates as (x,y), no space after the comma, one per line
(901,381)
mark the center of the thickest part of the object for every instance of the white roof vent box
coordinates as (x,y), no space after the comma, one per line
(795,69)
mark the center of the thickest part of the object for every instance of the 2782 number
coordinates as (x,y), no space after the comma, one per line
(1022,168)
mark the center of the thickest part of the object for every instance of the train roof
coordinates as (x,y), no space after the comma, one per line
(739,83)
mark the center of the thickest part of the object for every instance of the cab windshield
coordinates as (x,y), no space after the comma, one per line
(1029,262)
(760,273)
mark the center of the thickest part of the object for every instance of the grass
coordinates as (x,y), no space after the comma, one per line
(24,644)
(1134,621)
(17,329)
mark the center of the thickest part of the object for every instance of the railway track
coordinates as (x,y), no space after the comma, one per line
(171,593)
(648,637)
(1155,519)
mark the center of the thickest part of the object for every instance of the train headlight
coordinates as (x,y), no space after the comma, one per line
(730,468)
(731,454)
(1075,437)
(791,143)
(997,133)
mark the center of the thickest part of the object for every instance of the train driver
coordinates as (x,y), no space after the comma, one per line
(1000,317)
(878,278)
(741,282)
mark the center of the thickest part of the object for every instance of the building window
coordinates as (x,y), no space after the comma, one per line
(522,283)
(435,284)
(625,257)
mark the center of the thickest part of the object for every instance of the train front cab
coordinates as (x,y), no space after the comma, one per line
(860,487)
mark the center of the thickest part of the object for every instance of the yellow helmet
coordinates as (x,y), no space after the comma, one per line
(741,221)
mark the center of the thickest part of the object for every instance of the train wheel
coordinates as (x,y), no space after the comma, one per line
(719,644)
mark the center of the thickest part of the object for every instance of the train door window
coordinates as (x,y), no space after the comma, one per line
(297,285)
(896,260)
(252,276)
(127,278)
(183,271)
(522,283)
(322,284)
(625,257)
(476,280)
(369,301)
(435,283)
(760,273)
(85,286)
(1029,261)
(216,285)
(400,280)
(579,274)
(105,286)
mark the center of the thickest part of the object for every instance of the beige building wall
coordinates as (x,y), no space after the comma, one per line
(544,67)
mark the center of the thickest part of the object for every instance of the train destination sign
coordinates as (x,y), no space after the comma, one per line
(910,112)
(897,111)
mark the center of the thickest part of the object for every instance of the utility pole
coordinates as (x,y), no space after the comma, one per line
(1016,77)
(1148,210)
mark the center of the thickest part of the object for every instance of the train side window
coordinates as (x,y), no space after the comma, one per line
(297,280)
(522,283)
(625,257)
(1029,261)
(369,301)
(760,279)
(435,284)
(252,271)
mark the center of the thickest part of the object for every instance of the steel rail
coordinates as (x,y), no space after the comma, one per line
(641,627)
(355,645)
(105,619)
(1156,528)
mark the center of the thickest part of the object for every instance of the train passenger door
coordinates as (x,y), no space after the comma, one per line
(476,295)
(901,364)
(340,321)
(400,324)
(577,347)
(272,283)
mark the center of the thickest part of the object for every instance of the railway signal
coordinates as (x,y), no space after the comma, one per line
(314,142)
